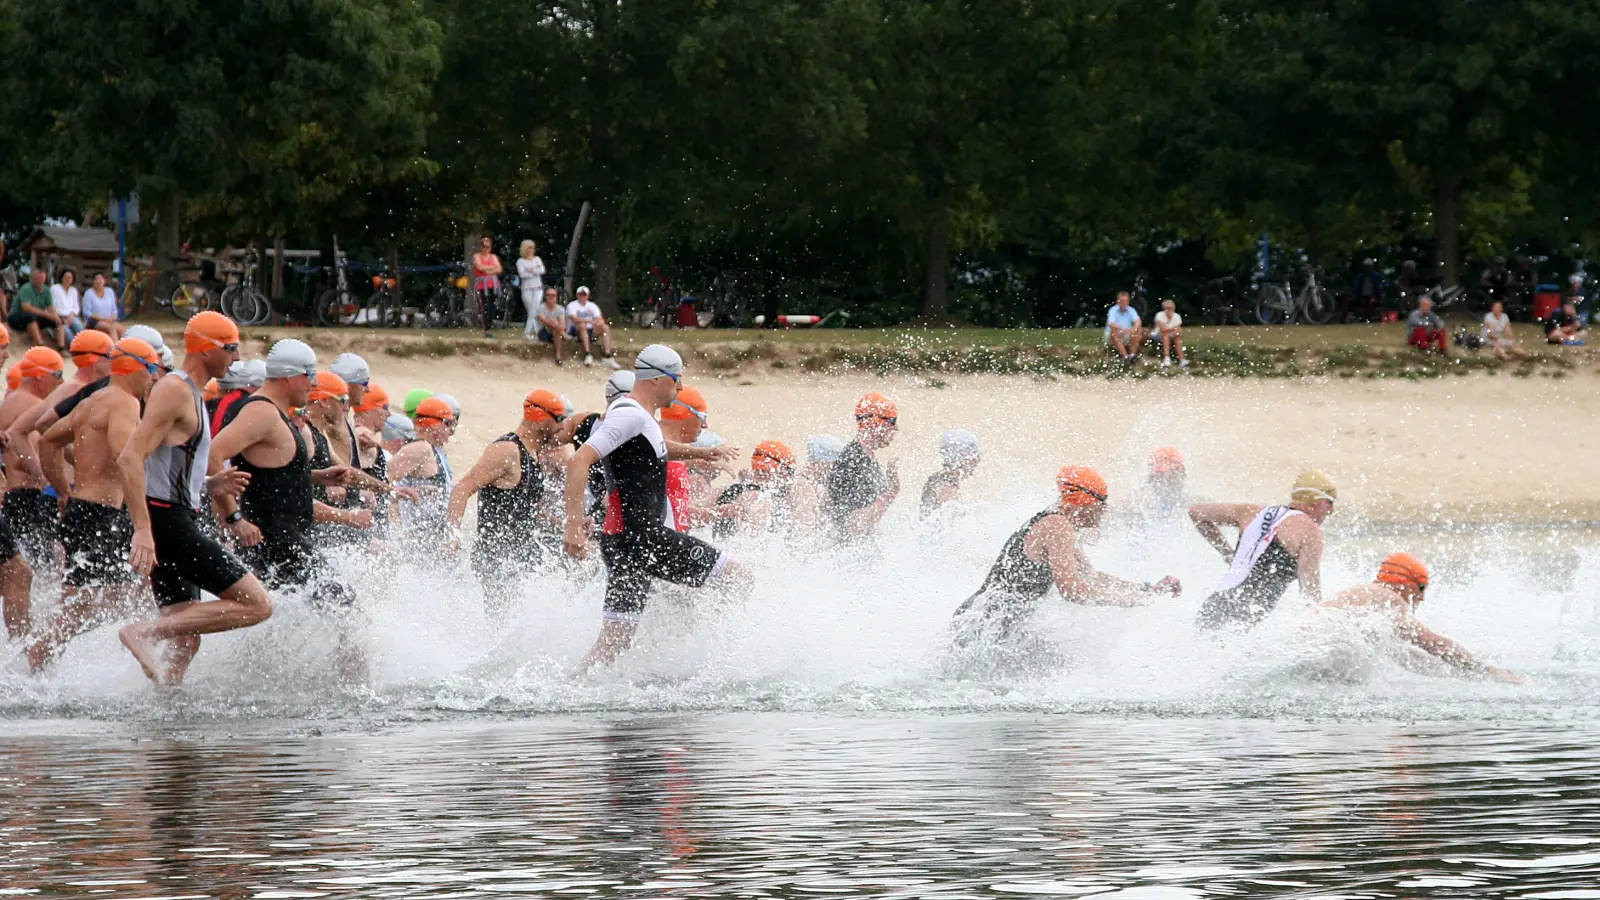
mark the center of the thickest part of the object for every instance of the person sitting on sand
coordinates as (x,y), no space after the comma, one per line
(1425,330)
(550,320)
(1497,333)
(1169,329)
(1401,585)
(1044,553)
(1124,330)
(1562,327)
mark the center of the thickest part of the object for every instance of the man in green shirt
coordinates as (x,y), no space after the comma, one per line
(32,310)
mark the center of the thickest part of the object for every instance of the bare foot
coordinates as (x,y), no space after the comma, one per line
(138,641)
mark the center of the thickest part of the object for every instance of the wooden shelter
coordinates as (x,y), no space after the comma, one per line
(84,250)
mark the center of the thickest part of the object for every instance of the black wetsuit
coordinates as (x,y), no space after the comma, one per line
(1014,586)
(780,506)
(931,487)
(857,481)
(225,408)
(280,501)
(1253,599)
(510,540)
(322,458)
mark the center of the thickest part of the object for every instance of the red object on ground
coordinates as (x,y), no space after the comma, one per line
(1545,303)
(686,317)
(1389,317)
(1427,338)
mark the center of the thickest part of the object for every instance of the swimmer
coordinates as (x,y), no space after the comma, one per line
(518,528)
(640,542)
(30,514)
(273,519)
(414,398)
(860,490)
(683,421)
(762,501)
(958,454)
(333,444)
(1045,552)
(370,415)
(398,431)
(164,481)
(356,374)
(578,428)
(1277,545)
(96,532)
(1163,492)
(240,381)
(423,466)
(810,490)
(1402,585)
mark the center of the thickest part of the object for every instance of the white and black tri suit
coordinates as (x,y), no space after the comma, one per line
(188,560)
(1014,586)
(1261,573)
(638,541)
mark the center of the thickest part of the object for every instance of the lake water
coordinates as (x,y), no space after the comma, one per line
(821,740)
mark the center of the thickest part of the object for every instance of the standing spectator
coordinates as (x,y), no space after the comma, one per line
(100,307)
(1124,330)
(530,279)
(1366,295)
(1563,327)
(486,283)
(1426,329)
(66,302)
(551,322)
(585,322)
(1497,333)
(32,311)
(1169,328)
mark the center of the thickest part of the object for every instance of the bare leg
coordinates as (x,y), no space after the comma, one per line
(605,337)
(583,335)
(1177,343)
(1166,345)
(81,610)
(35,335)
(1117,343)
(615,637)
(244,604)
(1138,340)
(16,586)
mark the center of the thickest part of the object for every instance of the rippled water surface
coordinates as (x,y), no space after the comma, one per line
(781,804)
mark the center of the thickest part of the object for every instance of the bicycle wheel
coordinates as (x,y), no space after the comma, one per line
(188,299)
(1273,306)
(331,308)
(1316,307)
(438,313)
(252,306)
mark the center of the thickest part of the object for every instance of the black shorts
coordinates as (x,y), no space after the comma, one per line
(8,541)
(295,565)
(637,555)
(188,560)
(21,319)
(96,538)
(33,515)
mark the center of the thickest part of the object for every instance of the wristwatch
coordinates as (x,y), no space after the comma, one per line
(233,517)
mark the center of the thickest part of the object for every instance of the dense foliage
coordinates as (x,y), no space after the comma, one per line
(1003,162)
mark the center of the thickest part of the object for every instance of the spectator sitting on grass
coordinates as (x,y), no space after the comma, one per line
(67,302)
(1497,333)
(31,311)
(552,319)
(1563,327)
(1124,330)
(1426,329)
(1169,328)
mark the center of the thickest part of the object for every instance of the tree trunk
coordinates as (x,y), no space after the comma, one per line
(1447,229)
(605,256)
(936,292)
(572,251)
(169,233)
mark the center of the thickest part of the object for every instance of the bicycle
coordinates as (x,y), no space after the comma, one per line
(1275,306)
(448,307)
(240,300)
(337,305)
(383,308)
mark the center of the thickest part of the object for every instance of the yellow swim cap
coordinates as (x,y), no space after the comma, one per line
(1313,486)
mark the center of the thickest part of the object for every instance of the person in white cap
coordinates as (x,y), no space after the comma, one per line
(639,542)
(810,488)
(398,431)
(585,322)
(237,383)
(353,369)
(958,457)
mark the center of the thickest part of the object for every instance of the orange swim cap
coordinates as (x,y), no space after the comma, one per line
(41,361)
(89,347)
(14,376)
(1403,568)
(772,456)
(132,354)
(375,397)
(689,402)
(541,404)
(1081,486)
(876,406)
(5,335)
(210,392)
(435,409)
(209,330)
(329,386)
(1166,460)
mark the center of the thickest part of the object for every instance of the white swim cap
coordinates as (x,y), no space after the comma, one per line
(352,368)
(657,361)
(824,448)
(455,405)
(398,428)
(237,376)
(258,372)
(957,446)
(147,334)
(620,382)
(566,405)
(166,357)
(708,438)
(289,358)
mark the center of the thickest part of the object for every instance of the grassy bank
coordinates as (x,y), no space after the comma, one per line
(1345,351)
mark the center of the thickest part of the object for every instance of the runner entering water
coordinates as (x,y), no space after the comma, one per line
(96,532)
(164,481)
(640,542)
(958,457)
(38,373)
(517,528)
(1277,545)
(860,490)
(1045,553)
(422,465)
(1400,587)
(763,501)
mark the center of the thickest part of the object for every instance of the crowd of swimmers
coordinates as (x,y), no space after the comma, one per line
(185,496)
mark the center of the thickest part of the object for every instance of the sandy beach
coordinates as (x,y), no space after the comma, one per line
(1479,448)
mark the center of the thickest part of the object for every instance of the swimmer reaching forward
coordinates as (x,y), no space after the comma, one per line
(1277,545)
(1401,585)
(1045,553)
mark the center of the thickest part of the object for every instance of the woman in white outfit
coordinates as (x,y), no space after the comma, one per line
(530,278)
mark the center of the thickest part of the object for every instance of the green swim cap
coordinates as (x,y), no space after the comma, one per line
(417,395)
